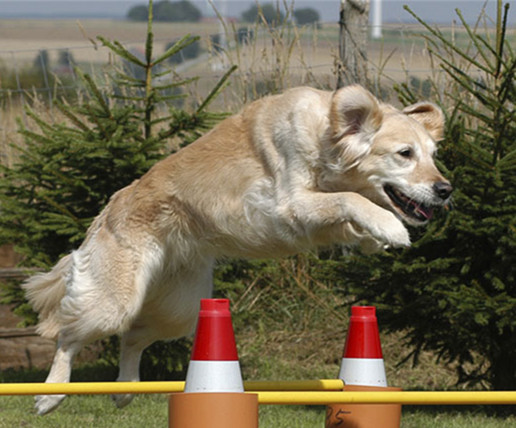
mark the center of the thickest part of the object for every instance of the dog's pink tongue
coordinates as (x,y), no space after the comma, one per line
(426,212)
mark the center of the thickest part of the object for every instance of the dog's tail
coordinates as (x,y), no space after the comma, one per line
(44,292)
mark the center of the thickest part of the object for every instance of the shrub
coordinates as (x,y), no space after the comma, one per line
(306,16)
(67,171)
(268,12)
(166,11)
(454,292)
(138,13)
(245,35)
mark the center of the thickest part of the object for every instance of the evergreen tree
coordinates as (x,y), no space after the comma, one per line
(66,172)
(138,13)
(179,11)
(167,11)
(269,13)
(454,291)
(306,16)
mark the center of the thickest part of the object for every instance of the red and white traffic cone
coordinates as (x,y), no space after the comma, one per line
(362,361)
(363,369)
(214,392)
(214,365)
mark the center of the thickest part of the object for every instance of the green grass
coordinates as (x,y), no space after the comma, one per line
(145,412)
(446,417)
(151,411)
(85,411)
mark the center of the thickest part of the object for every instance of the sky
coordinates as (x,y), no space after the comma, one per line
(436,11)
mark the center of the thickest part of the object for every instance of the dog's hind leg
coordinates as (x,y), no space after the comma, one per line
(59,373)
(103,297)
(132,345)
(171,314)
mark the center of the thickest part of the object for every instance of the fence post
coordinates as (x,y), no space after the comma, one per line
(354,20)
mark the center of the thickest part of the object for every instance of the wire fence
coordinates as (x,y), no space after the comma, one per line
(268,60)
(48,70)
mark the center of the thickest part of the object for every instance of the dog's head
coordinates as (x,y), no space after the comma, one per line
(386,154)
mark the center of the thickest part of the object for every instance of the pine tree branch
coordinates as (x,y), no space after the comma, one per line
(218,87)
(121,51)
(182,43)
(474,38)
(437,34)
(500,35)
(95,91)
(150,35)
(72,117)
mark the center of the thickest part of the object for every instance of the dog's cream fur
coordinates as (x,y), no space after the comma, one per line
(289,172)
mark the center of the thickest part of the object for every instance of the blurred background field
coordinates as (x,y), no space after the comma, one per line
(37,60)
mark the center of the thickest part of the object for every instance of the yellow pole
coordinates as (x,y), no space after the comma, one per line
(90,388)
(157,387)
(286,392)
(388,397)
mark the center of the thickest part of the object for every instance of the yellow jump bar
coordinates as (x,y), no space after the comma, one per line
(311,392)
(387,397)
(157,387)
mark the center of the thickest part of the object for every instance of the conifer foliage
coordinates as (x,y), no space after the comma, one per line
(454,291)
(67,171)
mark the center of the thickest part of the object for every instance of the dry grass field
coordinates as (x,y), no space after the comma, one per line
(399,53)
(21,40)
(275,60)
(24,38)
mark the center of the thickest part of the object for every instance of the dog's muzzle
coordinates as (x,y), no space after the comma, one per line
(418,211)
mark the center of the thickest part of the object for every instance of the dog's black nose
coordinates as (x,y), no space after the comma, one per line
(443,189)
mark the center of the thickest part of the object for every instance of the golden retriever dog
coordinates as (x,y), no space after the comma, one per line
(290,172)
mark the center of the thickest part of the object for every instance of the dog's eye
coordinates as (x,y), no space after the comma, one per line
(406,153)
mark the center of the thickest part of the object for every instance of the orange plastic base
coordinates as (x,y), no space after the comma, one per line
(364,415)
(213,410)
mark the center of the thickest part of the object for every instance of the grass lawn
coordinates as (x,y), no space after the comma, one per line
(151,411)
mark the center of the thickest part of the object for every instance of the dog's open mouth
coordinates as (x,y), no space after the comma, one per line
(412,209)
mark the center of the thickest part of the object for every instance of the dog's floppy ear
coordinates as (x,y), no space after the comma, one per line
(428,115)
(355,116)
(354,110)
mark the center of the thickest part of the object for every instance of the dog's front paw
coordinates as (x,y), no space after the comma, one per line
(386,228)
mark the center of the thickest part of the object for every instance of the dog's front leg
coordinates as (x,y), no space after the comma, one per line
(316,211)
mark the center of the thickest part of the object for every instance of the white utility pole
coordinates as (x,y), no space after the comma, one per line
(377,19)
